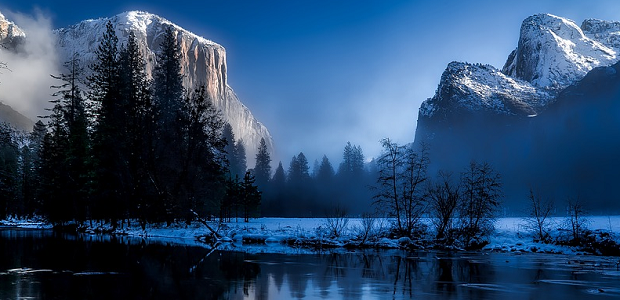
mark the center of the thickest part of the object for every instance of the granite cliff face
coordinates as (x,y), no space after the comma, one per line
(203,62)
(547,120)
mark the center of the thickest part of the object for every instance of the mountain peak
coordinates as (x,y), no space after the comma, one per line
(8,29)
(554,52)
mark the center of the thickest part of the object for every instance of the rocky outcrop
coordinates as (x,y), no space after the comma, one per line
(482,88)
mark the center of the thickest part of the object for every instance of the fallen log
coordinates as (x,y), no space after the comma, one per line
(201,220)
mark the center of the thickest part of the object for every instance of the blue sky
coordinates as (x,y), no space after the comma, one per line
(321,73)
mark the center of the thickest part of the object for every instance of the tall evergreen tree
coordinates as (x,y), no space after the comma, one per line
(262,170)
(240,166)
(325,173)
(110,137)
(229,137)
(168,100)
(9,179)
(274,204)
(168,87)
(299,171)
(352,166)
(279,177)
(30,164)
(140,128)
(200,180)
(251,197)
(64,170)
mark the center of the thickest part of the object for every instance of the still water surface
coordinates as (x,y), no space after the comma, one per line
(42,264)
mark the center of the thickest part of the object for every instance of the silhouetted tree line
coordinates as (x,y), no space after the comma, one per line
(300,191)
(128,148)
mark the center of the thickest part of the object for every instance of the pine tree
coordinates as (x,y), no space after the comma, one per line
(262,170)
(251,197)
(240,159)
(9,176)
(140,128)
(274,204)
(200,180)
(64,159)
(31,169)
(299,171)
(169,146)
(229,137)
(110,146)
(53,169)
(352,166)
(325,173)
(167,79)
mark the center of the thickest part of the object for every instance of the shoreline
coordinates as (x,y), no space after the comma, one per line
(308,235)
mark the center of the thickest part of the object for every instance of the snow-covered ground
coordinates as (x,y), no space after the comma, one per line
(273,234)
(511,234)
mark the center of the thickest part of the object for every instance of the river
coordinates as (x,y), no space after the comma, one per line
(43,264)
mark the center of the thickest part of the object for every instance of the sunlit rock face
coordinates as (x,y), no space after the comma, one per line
(203,63)
(9,32)
(554,52)
(546,120)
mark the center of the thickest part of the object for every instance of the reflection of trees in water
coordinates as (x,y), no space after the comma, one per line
(445,280)
(131,270)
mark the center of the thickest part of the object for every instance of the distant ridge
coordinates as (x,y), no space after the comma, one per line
(17,120)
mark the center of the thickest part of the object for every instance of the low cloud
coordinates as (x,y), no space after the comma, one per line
(25,86)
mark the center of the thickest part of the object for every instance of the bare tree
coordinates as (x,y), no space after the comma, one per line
(388,189)
(367,227)
(538,216)
(399,192)
(336,221)
(412,176)
(444,197)
(481,198)
(576,222)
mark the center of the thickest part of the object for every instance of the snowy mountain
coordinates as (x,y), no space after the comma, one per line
(552,54)
(9,32)
(203,62)
(547,120)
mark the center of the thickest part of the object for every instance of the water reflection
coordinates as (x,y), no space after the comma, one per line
(43,264)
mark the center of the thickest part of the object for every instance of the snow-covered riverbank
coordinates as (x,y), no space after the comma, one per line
(295,235)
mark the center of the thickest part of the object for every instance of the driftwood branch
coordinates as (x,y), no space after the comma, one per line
(201,220)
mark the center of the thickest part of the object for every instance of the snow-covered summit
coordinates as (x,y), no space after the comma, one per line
(554,52)
(203,62)
(476,87)
(8,29)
